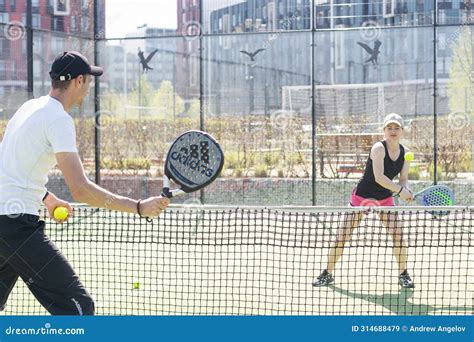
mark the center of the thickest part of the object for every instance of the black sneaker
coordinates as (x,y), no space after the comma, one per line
(405,281)
(324,279)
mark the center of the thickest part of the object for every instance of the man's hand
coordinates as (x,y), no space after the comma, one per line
(52,202)
(153,206)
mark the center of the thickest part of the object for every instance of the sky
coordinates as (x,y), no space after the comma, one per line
(123,16)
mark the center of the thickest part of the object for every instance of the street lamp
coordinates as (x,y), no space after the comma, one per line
(250,76)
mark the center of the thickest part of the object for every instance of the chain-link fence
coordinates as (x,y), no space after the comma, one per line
(295,91)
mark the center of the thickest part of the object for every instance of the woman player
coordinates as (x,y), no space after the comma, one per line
(385,162)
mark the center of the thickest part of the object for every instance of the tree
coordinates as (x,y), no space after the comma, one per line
(141,96)
(460,89)
(168,103)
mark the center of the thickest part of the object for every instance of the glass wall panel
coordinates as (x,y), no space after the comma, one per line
(149,95)
(361,76)
(265,132)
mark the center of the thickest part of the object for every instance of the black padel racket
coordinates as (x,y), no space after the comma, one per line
(194,161)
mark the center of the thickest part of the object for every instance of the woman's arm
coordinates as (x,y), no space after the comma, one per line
(377,154)
(403,179)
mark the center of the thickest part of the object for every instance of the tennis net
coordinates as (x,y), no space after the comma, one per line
(196,260)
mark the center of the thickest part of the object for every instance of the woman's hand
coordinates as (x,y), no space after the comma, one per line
(406,195)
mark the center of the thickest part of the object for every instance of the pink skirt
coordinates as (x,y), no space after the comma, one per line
(358,201)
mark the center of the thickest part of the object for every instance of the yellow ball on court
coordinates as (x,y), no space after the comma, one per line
(136,285)
(409,156)
(60,213)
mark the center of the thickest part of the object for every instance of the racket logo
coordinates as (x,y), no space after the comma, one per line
(425,200)
(194,160)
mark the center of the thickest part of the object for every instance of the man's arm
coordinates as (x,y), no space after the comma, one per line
(83,190)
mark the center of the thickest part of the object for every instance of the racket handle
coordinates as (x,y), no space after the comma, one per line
(171,193)
(166,193)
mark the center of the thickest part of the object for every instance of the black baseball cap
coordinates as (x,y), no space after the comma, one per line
(70,64)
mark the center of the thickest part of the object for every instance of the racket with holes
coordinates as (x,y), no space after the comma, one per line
(194,161)
(435,196)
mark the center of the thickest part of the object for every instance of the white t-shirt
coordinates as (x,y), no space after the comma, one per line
(39,129)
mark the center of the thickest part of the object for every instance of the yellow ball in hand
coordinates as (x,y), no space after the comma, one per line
(409,156)
(60,213)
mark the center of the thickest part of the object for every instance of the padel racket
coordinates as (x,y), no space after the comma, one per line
(194,161)
(435,196)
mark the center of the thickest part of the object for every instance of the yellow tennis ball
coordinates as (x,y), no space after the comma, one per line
(409,156)
(60,213)
(136,285)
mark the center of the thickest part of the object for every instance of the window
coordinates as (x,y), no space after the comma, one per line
(446,4)
(62,6)
(38,46)
(4,17)
(464,16)
(57,24)
(3,74)
(441,17)
(57,45)
(36,20)
(4,48)
(442,41)
(388,8)
(73,24)
(13,70)
(84,24)
(12,5)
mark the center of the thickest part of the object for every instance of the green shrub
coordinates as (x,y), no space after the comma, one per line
(238,172)
(441,176)
(414,173)
(126,164)
(137,164)
(232,160)
(271,158)
(111,164)
(261,171)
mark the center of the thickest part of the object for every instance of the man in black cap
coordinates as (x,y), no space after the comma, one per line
(40,135)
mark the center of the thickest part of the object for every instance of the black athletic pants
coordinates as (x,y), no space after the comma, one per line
(26,252)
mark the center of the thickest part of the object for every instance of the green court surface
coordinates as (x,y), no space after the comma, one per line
(262,261)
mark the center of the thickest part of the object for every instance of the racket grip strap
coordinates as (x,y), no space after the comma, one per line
(138,208)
